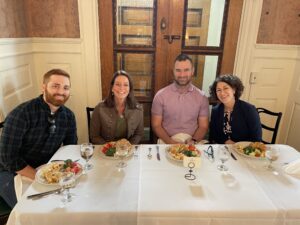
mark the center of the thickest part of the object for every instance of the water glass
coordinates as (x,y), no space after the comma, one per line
(67,181)
(272,154)
(223,155)
(86,152)
(122,151)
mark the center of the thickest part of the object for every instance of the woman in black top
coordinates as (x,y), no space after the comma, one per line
(232,120)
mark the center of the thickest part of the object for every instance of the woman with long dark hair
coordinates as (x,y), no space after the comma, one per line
(119,115)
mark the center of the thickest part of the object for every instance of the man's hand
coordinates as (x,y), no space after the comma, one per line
(28,171)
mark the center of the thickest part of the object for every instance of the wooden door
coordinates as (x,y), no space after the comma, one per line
(144,38)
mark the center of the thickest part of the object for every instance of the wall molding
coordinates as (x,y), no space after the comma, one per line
(288,52)
(247,39)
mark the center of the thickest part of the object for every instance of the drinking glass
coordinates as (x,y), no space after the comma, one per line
(66,181)
(121,152)
(223,155)
(272,154)
(87,151)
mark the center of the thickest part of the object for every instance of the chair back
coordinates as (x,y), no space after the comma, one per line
(4,211)
(89,112)
(266,116)
(1,126)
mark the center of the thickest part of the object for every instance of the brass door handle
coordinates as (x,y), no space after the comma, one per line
(170,38)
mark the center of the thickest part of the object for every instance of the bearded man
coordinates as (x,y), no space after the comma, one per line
(179,111)
(34,131)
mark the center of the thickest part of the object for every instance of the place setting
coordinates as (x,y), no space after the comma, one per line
(60,175)
(63,175)
(188,156)
(120,150)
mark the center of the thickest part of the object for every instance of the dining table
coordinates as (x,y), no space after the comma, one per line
(153,189)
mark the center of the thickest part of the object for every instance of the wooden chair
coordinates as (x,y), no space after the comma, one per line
(89,112)
(274,129)
(1,126)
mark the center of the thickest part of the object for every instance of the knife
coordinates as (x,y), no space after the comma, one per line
(157,154)
(232,155)
(39,195)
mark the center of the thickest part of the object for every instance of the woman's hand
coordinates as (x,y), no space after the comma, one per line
(229,142)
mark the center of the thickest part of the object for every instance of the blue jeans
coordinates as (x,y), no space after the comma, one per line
(7,188)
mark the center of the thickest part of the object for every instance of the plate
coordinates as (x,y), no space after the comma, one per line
(102,155)
(239,146)
(40,170)
(178,157)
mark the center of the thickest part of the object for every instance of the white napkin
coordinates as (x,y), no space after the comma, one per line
(21,185)
(293,168)
(182,137)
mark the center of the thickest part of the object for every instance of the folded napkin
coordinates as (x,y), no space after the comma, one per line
(21,185)
(182,137)
(293,168)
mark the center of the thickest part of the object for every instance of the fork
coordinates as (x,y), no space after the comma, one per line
(149,154)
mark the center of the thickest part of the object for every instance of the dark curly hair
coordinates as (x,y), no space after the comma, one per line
(233,81)
(131,100)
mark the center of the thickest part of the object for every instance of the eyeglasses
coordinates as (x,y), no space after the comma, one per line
(51,120)
(209,153)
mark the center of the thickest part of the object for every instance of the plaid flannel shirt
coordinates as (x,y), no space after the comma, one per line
(26,138)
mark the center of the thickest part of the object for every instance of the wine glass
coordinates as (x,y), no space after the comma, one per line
(223,155)
(87,151)
(122,151)
(272,154)
(66,181)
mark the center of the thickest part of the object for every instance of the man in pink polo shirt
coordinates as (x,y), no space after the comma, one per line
(180,110)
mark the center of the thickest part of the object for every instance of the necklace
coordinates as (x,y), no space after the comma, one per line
(121,110)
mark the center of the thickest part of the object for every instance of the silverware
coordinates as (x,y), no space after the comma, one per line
(232,155)
(135,154)
(157,154)
(149,154)
(39,195)
(59,160)
(209,153)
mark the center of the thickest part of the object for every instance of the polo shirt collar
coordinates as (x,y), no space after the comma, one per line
(175,88)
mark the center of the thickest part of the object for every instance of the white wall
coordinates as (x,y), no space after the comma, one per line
(17,75)
(24,61)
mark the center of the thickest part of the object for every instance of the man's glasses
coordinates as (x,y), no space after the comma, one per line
(209,153)
(51,120)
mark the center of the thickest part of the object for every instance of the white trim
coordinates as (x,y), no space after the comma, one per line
(14,41)
(57,40)
(247,39)
(277,47)
(89,32)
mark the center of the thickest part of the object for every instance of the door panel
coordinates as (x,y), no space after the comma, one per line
(267,88)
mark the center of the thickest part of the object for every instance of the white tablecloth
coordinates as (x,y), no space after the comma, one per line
(156,192)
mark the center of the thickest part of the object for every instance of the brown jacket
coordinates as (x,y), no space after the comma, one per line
(103,124)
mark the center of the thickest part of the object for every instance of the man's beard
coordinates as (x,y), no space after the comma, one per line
(185,83)
(53,101)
